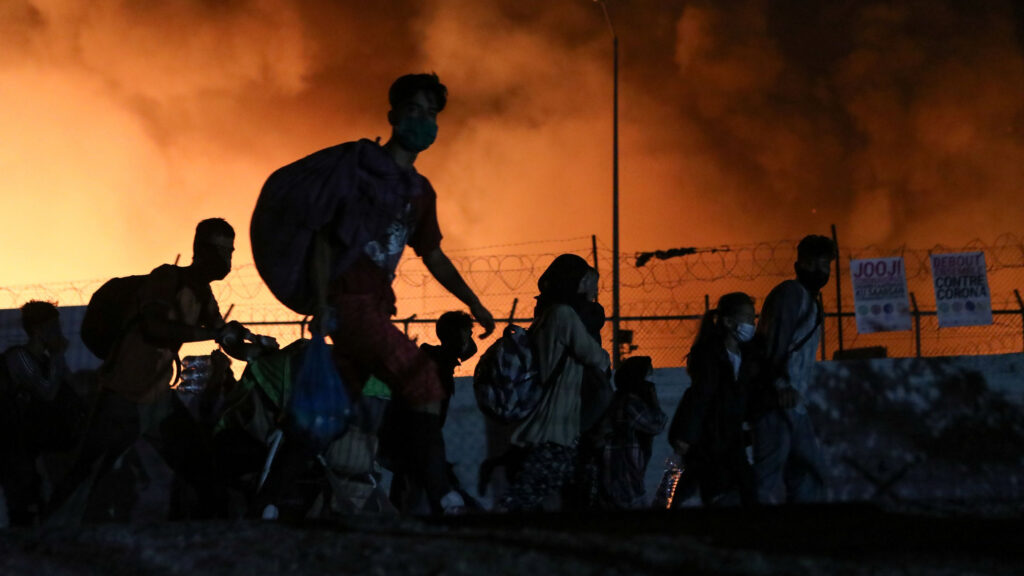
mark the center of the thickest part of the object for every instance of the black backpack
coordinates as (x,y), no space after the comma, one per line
(112,309)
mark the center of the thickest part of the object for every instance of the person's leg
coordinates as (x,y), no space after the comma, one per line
(743,477)
(60,422)
(712,478)
(368,343)
(545,471)
(113,427)
(187,447)
(804,474)
(21,484)
(427,461)
(280,493)
(771,451)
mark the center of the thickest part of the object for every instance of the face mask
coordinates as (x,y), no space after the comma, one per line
(214,267)
(813,280)
(416,133)
(220,269)
(468,350)
(743,332)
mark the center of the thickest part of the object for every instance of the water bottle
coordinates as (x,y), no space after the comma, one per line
(667,487)
(195,373)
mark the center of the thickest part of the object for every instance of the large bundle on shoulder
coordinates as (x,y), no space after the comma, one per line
(296,202)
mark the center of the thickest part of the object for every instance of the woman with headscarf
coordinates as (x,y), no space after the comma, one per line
(565,347)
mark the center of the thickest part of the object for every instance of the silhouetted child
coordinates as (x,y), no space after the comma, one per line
(455,332)
(630,425)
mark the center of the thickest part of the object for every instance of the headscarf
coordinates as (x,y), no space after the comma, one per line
(560,284)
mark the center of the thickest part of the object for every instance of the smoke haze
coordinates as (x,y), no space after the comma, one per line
(123,123)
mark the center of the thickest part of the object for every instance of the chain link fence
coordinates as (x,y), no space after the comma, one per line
(691,282)
(663,295)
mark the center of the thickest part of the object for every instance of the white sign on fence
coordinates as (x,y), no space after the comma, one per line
(962,297)
(880,295)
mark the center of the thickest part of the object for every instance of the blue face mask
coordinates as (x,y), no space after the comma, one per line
(416,133)
(744,332)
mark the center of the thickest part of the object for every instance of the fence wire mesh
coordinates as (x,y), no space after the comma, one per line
(662,300)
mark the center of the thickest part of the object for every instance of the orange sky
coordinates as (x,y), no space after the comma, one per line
(123,123)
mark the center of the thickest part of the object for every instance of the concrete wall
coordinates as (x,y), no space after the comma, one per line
(898,428)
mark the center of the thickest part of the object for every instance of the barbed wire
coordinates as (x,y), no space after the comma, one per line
(676,287)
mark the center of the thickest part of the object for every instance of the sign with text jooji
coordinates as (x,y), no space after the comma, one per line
(880,295)
(961,289)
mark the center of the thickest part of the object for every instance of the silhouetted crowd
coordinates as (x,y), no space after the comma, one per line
(308,429)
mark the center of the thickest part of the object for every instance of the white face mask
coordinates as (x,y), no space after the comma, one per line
(743,332)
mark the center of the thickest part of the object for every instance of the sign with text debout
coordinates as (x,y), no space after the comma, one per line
(961,289)
(880,295)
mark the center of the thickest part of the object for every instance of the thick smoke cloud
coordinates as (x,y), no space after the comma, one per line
(123,123)
(896,120)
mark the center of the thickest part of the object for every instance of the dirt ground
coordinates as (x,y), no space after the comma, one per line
(834,540)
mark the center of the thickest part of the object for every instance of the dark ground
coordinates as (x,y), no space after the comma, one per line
(832,539)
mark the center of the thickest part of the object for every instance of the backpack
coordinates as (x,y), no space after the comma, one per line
(111,310)
(506,381)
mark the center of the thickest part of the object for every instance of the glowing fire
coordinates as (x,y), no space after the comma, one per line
(122,124)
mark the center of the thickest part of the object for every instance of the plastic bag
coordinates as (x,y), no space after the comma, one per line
(320,405)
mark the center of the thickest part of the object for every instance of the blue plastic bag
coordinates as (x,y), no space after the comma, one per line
(320,405)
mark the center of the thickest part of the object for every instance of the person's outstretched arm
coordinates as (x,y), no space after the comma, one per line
(442,269)
(157,304)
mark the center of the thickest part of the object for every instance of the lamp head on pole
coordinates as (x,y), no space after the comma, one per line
(607,17)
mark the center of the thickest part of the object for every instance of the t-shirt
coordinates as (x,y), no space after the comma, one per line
(411,205)
(790,313)
(735,359)
(140,369)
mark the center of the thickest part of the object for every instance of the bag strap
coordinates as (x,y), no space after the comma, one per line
(559,368)
(780,366)
(803,341)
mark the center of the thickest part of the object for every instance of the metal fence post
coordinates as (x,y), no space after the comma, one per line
(839,290)
(917,323)
(821,303)
(1020,304)
(408,321)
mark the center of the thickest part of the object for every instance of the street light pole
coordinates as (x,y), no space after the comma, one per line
(616,342)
